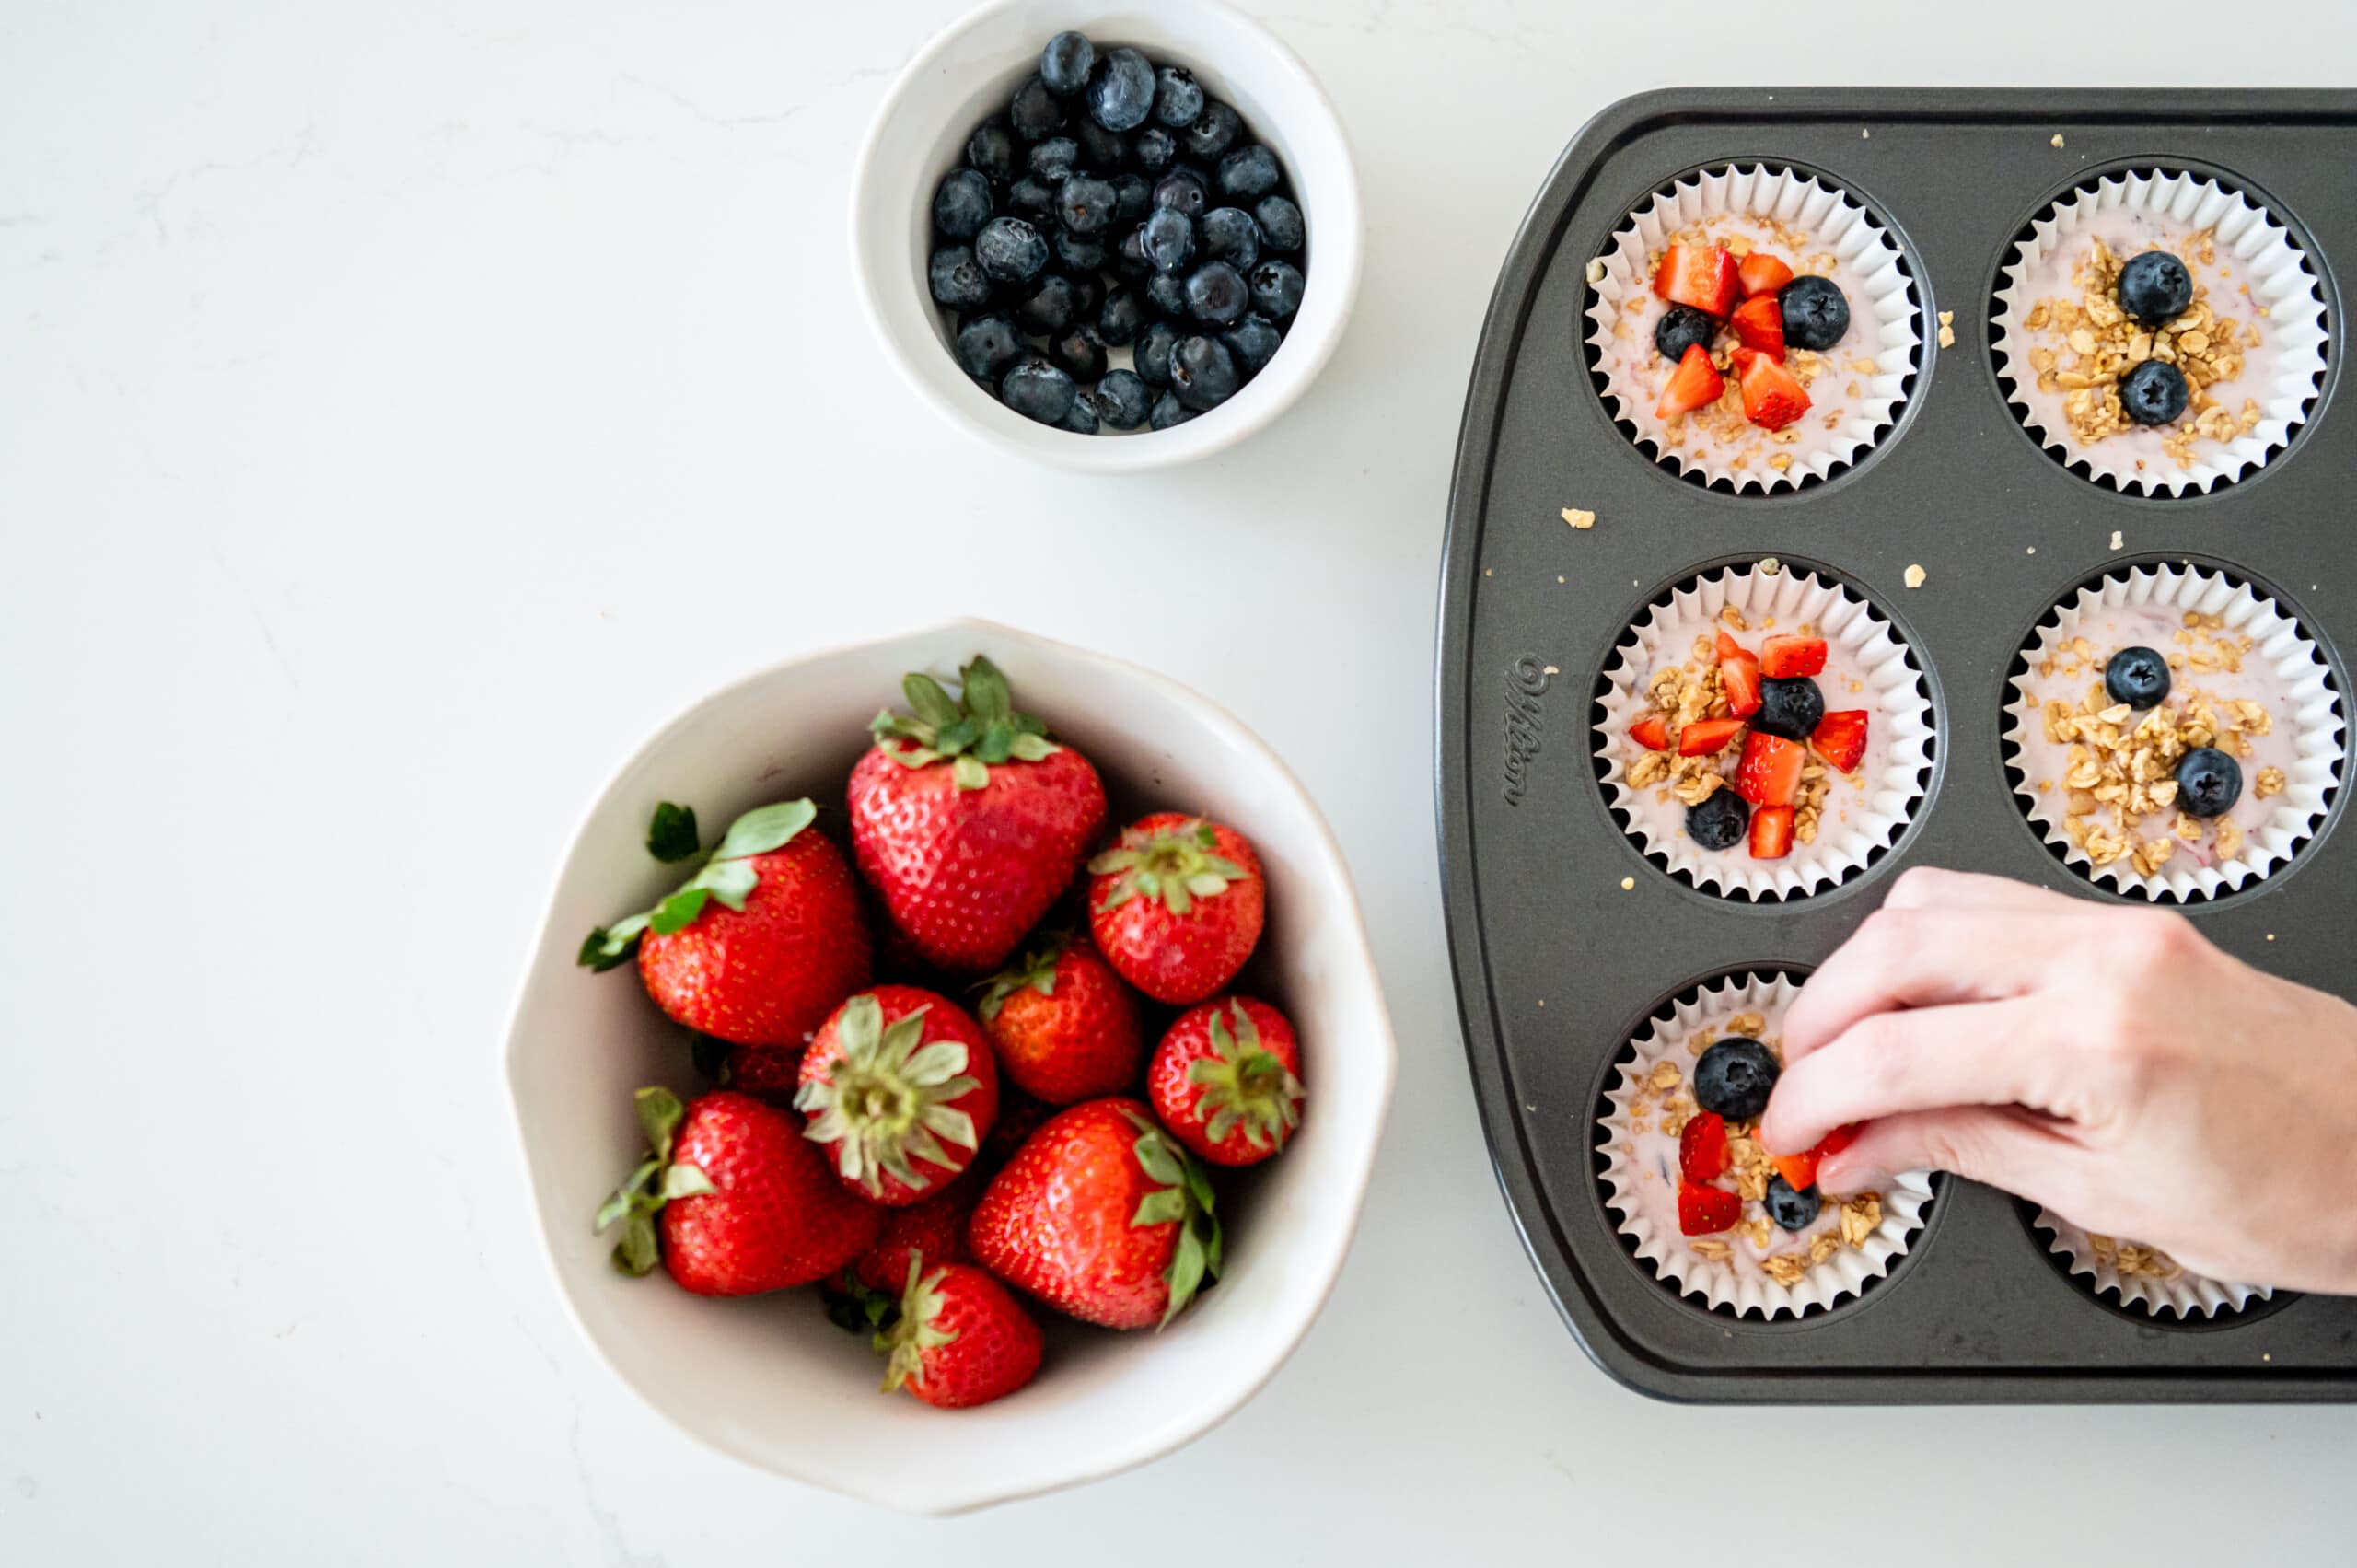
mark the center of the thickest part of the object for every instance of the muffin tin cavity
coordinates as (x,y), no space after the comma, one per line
(2140,1280)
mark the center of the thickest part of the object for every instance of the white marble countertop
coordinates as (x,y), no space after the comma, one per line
(402,409)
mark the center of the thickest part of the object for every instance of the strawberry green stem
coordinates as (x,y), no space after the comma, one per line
(1175,864)
(974,731)
(885,1099)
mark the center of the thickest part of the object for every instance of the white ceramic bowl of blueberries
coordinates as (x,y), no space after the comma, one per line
(1109,239)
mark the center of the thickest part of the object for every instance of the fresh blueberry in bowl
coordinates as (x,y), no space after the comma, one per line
(2138,677)
(1079,254)
(1085,205)
(956,279)
(1248,173)
(1169,240)
(1213,131)
(1080,419)
(1154,149)
(2154,391)
(1790,707)
(1120,90)
(1276,290)
(1048,305)
(1033,112)
(1123,314)
(1128,257)
(1031,199)
(1079,353)
(1169,410)
(1282,229)
(988,345)
(2207,782)
(1719,821)
(1229,234)
(962,204)
(2154,288)
(1166,295)
(1216,294)
(1065,64)
(1123,400)
(1133,198)
(1178,96)
(991,151)
(1682,327)
(1155,347)
(1011,251)
(1100,150)
(1053,159)
(1183,189)
(1036,389)
(1816,313)
(1203,373)
(1254,341)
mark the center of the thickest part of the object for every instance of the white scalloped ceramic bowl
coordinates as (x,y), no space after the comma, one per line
(969,70)
(766,1378)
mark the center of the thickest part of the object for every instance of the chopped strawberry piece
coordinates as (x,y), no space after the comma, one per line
(1770,773)
(1771,833)
(1706,1211)
(1705,737)
(1800,1170)
(1728,647)
(1759,324)
(1841,1138)
(1739,679)
(1702,1147)
(1761,273)
(1652,732)
(1700,275)
(1696,383)
(1840,739)
(1771,395)
(1785,656)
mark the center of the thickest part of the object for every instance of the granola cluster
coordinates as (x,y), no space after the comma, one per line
(2120,770)
(2099,343)
(2131,1260)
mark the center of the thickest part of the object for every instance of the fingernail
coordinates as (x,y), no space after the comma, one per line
(1849,1177)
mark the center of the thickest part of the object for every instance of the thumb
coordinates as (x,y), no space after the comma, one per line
(2002,1145)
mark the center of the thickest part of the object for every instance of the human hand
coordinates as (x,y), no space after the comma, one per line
(2105,1062)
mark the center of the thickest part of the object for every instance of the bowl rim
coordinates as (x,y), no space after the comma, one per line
(951,1495)
(1342,253)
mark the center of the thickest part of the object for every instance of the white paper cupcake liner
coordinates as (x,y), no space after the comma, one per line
(2280,278)
(1899,733)
(2268,842)
(1673,1258)
(1889,317)
(2181,1294)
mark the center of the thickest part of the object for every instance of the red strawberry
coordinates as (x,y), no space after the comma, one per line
(1739,677)
(1840,739)
(1706,1211)
(1770,773)
(1227,1080)
(1771,395)
(960,1339)
(1784,656)
(1176,906)
(744,1202)
(933,1228)
(1759,324)
(1652,732)
(1771,833)
(1700,275)
(1064,1027)
(1761,273)
(1696,383)
(1800,1170)
(968,820)
(1702,1147)
(1101,1216)
(771,1075)
(900,1089)
(758,945)
(1705,737)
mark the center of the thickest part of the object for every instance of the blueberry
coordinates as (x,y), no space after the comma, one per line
(2154,288)
(2138,677)
(1733,1077)
(2154,392)
(1010,251)
(1816,314)
(1129,256)
(1046,307)
(1166,295)
(1202,372)
(2207,782)
(1178,96)
(1249,172)
(1037,389)
(1101,149)
(987,344)
(1133,198)
(1123,400)
(1123,315)
(1276,290)
(1120,90)
(1719,821)
(1212,132)
(1032,198)
(1216,294)
(1789,708)
(1156,343)
(1229,235)
(1169,410)
(962,203)
(1791,1208)
(1064,64)
(1034,113)
(956,278)
(1079,353)
(1085,205)
(1169,240)
(1052,161)
(1081,418)
(1254,341)
(1154,149)
(1087,297)
(1077,254)
(992,150)
(1681,327)
(1282,230)
(1183,189)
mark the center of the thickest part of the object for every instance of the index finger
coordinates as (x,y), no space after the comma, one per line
(1922,958)
(1934,886)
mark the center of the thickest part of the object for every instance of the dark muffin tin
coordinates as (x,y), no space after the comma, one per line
(1533,861)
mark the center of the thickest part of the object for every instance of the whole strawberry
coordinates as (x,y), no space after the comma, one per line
(1102,1216)
(968,820)
(1175,906)
(1227,1080)
(900,1090)
(960,1339)
(732,1199)
(761,944)
(933,1228)
(1064,1027)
